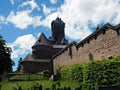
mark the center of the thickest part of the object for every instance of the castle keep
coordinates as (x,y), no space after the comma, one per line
(44,49)
(54,52)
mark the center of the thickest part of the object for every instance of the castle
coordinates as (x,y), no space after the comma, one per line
(44,49)
(55,52)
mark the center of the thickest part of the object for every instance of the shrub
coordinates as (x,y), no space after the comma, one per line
(93,74)
(36,87)
(91,57)
(46,74)
(18,87)
(73,72)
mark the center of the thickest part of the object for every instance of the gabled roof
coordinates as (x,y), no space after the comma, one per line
(42,40)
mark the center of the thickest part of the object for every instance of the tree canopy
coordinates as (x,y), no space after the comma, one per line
(5,60)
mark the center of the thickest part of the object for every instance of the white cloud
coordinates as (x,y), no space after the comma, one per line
(3,20)
(77,13)
(13,1)
(30,3)
(47,10)
(47,21)
(22,45)
(22,19)
(53,1)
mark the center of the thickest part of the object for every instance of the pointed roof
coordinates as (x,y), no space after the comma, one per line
(42,40)
(28,58)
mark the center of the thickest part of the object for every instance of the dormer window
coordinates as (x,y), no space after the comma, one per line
(39,40)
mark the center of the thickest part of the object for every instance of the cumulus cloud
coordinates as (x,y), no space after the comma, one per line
(30,3)
(47,21)
(23,19)
(20,19)
(77,14)
(47,10)
(22,45)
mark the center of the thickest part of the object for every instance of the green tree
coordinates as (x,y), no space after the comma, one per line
(19,65)
(5,60)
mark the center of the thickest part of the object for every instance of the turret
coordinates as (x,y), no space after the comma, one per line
(57,27)
(42,48)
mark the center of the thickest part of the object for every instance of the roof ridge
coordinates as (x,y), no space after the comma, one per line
(42,40)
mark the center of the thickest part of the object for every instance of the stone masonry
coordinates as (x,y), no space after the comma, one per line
(103,43)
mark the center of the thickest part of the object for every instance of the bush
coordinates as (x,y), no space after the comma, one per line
(36,87)
(46,74)
(73,72)
(93,74)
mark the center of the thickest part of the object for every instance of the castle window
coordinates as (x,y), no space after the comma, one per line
(82,45)
(88,41)
(39,40)
(95,36)
(118,32)
(70,52)
(104,31)
(110,57)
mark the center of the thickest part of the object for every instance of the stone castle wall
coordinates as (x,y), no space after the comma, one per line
(34,67)
(103,45)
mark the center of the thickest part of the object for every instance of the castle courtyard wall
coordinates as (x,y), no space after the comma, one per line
(104,45)
(35,67)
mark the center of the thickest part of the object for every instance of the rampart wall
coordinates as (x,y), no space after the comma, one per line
(104,43)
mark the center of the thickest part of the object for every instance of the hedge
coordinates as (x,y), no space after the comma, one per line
(93,74)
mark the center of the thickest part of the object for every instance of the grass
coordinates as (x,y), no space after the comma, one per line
(27,84)
(24,77)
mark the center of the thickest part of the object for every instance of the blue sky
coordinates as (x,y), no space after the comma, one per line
(22,21)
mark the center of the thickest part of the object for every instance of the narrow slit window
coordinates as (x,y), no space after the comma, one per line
(118,32)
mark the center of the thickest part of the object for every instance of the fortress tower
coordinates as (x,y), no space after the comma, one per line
(45,48)
(57,27)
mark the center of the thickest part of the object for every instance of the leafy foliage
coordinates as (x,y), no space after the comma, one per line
(73,72)
(91,57)
(46,74)
(5,60)
(19,65)
(94,74)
